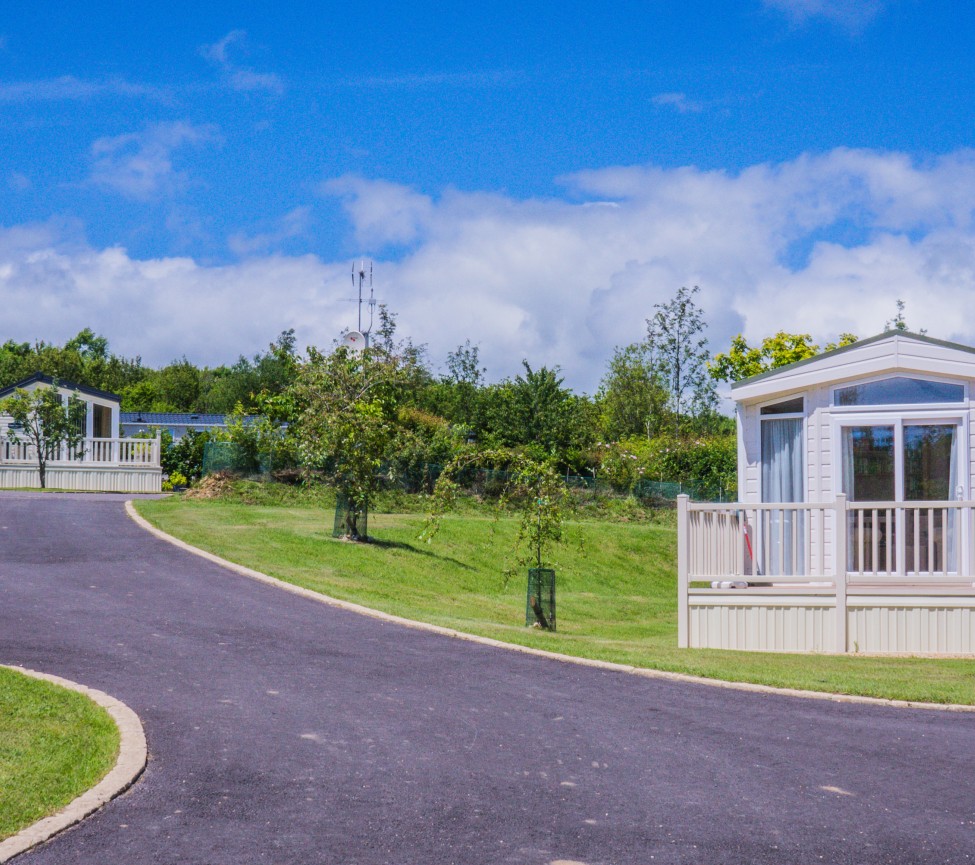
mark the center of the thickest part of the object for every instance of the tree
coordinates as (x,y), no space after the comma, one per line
(464,365)
(679,351)
(186,455)
(632,399)
(535,410)
(178,386)
(43,420)
(532,488)
(743,361)
(899,323)
(348,421)
(88,344)
(457,396)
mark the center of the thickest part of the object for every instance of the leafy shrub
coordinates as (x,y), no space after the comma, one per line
(175,480)
(186,455)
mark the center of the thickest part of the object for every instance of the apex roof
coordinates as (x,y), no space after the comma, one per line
(892,351)
(42,378)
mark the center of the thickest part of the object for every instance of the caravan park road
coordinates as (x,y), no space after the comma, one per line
(285,731)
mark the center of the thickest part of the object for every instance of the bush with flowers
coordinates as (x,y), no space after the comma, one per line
(705,464)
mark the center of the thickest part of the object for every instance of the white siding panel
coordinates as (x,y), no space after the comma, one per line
(108,479)
(926,628)
(779,627)
(920,626)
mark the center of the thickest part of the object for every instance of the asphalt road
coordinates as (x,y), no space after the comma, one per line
(284,731)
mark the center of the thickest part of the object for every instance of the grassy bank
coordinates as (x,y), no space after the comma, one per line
(617,596)
(54,745)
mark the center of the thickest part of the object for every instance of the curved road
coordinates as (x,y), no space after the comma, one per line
(284,731)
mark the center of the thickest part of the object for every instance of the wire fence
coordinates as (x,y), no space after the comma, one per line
(422,477)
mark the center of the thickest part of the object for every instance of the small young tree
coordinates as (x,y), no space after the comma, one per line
(679,348)
(533,489)
(45,421)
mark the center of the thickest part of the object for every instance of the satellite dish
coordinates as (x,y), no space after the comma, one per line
(354,341)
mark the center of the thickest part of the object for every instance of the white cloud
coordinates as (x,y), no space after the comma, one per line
(556,281)
(290,226)
(163,308)
(437,80)
(239,77)
(139,165)
(218,52)
(679,102)
(851,14)
(68,88)
(382,213)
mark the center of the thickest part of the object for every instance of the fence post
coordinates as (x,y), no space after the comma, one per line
(839,570)
(683,569)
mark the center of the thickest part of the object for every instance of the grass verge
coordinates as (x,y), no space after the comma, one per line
(617,596)
(54,745)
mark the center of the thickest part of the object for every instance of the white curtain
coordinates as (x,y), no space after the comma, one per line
(784,544)
(847,463)
(848,488)
(951,530)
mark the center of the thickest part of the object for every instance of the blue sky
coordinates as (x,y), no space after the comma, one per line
(532,177)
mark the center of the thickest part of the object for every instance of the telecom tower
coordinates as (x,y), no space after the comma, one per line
(357,340)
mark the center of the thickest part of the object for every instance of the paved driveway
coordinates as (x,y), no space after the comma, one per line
(284,731)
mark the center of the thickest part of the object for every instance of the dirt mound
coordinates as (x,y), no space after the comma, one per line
(213,486)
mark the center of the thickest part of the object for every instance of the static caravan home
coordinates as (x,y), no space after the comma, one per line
(102,462)
(855,526)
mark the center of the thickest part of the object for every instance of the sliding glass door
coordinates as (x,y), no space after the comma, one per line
(894,466)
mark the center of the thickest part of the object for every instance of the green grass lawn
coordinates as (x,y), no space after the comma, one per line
(54,745)
(617,596)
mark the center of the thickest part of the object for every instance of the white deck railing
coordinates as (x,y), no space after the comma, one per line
(94,451)
(837,548)
(913,542)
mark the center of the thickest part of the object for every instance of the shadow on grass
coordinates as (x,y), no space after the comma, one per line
(420,551)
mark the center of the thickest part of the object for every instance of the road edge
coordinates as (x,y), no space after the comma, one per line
(132,757)
(645,672)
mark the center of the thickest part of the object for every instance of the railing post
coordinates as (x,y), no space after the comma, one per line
(839,570)
(683,566)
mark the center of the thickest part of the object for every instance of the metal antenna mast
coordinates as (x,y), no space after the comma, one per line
(359,276)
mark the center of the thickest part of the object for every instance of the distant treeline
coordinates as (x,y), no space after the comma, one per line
(180,386)
(653,416)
